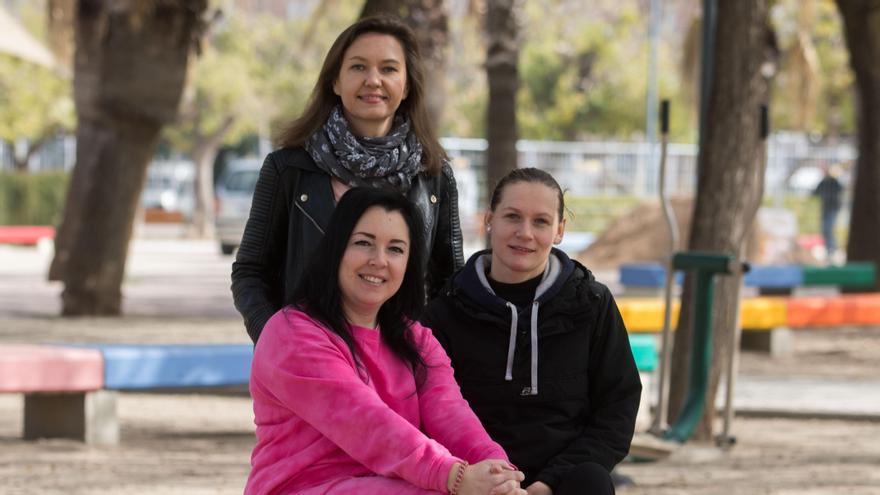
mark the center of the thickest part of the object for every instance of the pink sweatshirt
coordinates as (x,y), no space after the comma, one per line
(320,421)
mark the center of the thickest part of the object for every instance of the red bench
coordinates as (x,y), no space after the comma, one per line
(26,235)
(63,392)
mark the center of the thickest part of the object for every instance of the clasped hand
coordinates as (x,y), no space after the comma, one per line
(491,477)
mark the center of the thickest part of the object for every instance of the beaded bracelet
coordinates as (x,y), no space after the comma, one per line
(458,477)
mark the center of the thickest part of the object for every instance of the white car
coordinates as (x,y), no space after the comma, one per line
(234,193)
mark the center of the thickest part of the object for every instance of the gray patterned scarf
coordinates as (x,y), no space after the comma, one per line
(367,161)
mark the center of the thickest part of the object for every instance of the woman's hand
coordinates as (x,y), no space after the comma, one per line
(539,488)
(492,476)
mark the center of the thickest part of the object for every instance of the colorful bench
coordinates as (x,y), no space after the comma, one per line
(70,391)
(767,321)
(650,278)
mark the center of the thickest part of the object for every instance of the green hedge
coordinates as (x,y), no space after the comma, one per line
(33,198)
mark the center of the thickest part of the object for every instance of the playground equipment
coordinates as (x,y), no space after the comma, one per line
(659,425)
(705,266)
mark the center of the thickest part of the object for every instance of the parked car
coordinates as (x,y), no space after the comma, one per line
(234,193)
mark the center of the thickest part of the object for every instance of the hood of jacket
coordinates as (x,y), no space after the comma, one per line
(473,282)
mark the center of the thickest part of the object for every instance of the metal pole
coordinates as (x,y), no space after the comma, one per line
(726,439)
(660,416)
(710,9)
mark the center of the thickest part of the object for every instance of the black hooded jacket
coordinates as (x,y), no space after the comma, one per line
(573,401)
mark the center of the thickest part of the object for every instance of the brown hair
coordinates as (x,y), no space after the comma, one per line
(323,99)
(534,175)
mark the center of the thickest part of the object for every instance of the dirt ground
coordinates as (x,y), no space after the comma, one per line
(200,443)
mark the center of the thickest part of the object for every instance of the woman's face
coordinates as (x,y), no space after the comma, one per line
(373,264)
(372,83)
(523,227)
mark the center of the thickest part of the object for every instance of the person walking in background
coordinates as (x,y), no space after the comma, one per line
(366,124)
(351,394)
(538,345)
(829,190)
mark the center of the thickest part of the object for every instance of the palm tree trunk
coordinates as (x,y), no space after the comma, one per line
(861,19)
(502,59)
(129,72)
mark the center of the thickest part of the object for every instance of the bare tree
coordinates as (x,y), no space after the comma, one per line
(430,21)
(730,182)
(129,71)
(502,72)
(861,19)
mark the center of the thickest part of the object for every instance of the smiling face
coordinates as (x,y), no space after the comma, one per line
(523,227)
(373,265)
(372,83)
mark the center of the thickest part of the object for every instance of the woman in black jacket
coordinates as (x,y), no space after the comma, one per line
(539,347)
(366,124)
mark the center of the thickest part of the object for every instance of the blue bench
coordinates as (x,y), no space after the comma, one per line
(162,366)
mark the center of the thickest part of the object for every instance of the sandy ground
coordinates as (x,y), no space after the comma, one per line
(200,443)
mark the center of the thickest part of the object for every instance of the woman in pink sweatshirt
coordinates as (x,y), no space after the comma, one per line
(351,394)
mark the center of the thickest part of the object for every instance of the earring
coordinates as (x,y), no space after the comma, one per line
(488,228)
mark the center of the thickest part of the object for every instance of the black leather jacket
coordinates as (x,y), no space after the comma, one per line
(292,203)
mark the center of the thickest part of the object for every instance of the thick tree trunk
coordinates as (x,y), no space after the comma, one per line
(129,73)
(430,21)
(502,59)
(730,183)
(861,19)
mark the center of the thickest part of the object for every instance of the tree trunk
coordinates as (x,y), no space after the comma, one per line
(502,58)
(20,162)
(429,20)
(204,154)
(129,73)
(861,20)
(730,184)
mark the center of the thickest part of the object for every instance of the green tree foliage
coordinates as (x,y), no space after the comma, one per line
(257,70)
(35,102)
(574,84)
(582,68)
(814,73)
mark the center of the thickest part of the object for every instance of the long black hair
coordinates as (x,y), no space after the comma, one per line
(318,292)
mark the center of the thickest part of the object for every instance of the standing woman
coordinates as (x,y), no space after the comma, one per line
(366,124)
(351,394)
(538,345)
